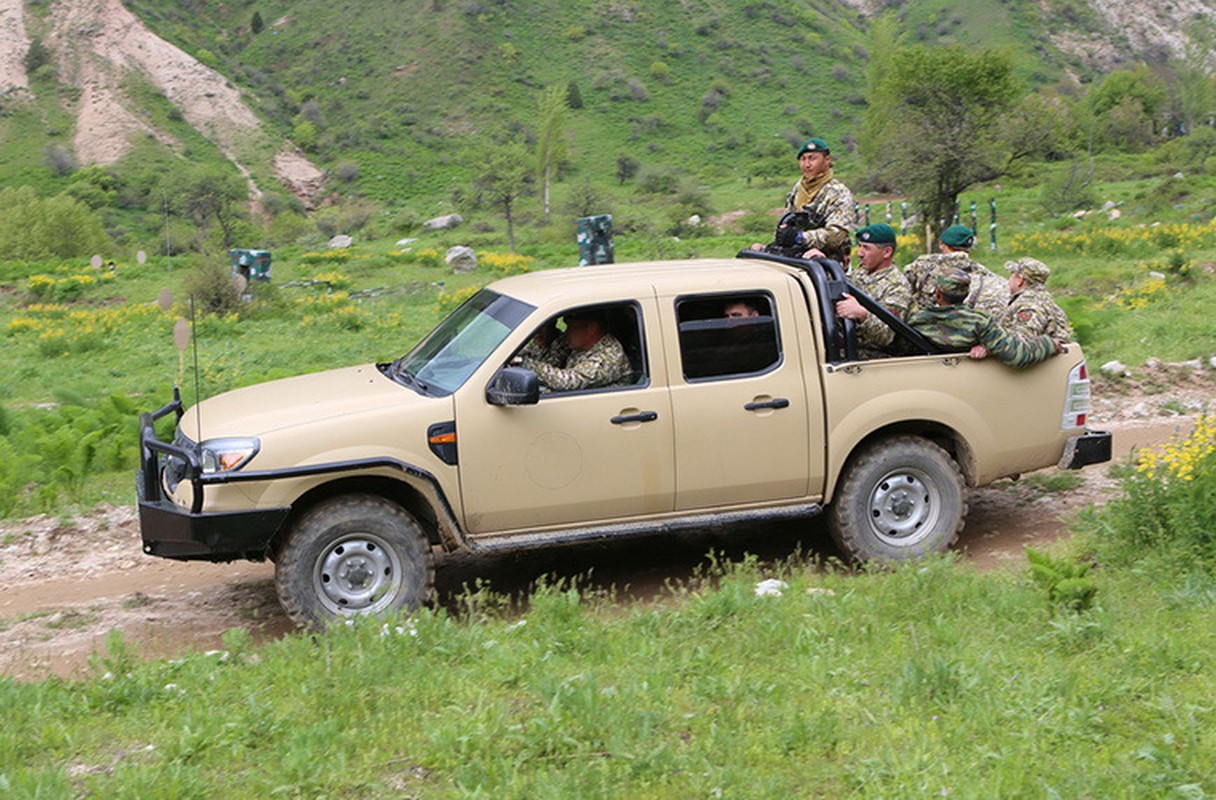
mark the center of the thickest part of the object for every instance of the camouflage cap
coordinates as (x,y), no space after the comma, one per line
(879,233)
(1033,270)
(954,283)
(958,236)
(813,145)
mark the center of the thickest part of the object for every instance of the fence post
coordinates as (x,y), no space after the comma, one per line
(992,225)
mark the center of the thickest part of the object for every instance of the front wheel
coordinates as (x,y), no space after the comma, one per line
(352,555)
(900,499)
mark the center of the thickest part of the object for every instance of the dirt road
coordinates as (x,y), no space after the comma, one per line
(70,582)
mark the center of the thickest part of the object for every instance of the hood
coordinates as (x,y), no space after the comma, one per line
(291,402)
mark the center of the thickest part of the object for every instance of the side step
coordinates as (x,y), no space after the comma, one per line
(621,530)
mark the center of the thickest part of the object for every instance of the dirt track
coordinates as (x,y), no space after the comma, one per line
(71,582)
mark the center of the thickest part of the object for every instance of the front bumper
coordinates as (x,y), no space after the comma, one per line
(171,531)
(1091,447)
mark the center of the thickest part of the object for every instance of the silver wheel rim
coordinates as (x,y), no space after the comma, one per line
(358,574)
(903,507)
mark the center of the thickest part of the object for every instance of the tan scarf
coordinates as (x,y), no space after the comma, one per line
(806,189)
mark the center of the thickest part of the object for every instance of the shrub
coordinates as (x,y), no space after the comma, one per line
(1167,508)
(33,228)
(505,263)
(449,301)
(210,284)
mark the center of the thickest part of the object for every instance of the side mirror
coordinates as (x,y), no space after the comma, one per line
(514,386)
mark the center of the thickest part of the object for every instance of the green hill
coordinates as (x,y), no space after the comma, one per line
(395,100)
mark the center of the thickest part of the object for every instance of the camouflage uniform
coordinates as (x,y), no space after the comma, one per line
(554,355)
(1032,311)
(989,291)
(889,288)
(959,327)
(832,212)
(602,364)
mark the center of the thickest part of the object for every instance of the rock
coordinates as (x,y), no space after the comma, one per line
(1158,275)
(404,242)
(693,221)
(771,587)
(340,242)
(1179,175)
(461,259)
(1115,369)
(1212,362)
(1154,363)
(1108,205)
(1080,214)
(1114,213)
(446,222)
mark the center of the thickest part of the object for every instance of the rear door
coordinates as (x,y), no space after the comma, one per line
(742,419)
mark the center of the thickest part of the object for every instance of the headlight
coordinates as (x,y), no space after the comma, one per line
(225,455)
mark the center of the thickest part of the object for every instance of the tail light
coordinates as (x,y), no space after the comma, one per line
(1077,398)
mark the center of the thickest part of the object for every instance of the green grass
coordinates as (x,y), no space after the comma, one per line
(927,681)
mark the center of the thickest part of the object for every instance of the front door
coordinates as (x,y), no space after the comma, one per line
(577,456)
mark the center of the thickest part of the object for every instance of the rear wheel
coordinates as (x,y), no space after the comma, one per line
(901,498)
(352,555)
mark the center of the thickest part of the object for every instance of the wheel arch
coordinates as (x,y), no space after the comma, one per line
(410,497)
(944,436)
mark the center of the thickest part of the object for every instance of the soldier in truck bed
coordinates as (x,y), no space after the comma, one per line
(819,210)
(958,327)
(989,291)
(875,275)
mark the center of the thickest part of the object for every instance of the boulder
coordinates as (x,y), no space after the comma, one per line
(407,240)
(461,259)
(340,242)
(446,222)
(1114,369)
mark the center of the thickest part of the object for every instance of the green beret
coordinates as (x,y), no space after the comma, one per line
(954,283)
(1033,270)
(879,233)
(814,145)
(958,236)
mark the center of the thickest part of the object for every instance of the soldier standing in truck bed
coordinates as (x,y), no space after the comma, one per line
(989,291)
(819,209)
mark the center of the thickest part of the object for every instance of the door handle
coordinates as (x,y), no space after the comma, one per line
(641,416)
(776,402)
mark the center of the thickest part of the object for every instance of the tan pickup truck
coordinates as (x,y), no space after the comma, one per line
(350,480)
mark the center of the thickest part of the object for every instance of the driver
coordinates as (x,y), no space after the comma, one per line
(588,357)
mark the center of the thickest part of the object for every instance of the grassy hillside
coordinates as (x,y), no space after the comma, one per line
(405,91)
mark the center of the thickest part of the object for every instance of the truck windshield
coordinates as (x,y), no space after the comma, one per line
(444,360)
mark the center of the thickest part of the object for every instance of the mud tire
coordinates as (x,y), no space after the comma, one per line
(352,555)
(899,499)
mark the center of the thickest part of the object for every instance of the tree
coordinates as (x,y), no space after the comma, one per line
(504,179)
(207,195)
(934,121)
(1196,91)
(550,133)
(256,25)
(1125,105)
(34,228)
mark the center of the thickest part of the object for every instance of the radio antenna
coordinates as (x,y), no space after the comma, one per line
(198,393)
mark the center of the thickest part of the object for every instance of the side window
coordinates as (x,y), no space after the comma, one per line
(727,335)
(588,348)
